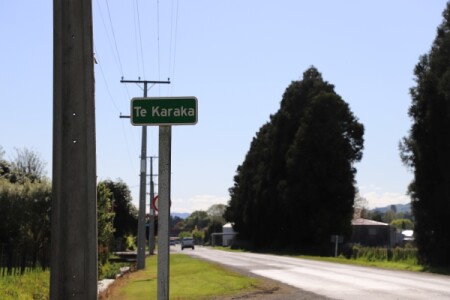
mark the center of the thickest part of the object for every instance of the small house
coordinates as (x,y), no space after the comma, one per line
(374,234)
(227,235)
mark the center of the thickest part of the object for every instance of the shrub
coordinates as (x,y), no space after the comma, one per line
(398,254)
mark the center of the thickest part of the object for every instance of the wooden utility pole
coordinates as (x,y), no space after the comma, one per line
(73,273)
(140,260)
(151,222)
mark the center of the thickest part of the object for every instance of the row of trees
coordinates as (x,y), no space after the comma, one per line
(201,224)
(295,187)
(25,206)
(426,149)
(25,213)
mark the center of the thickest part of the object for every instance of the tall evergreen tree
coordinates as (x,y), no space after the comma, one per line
(296,185)
(427,149)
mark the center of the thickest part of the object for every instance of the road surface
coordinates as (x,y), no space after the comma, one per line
(332,280)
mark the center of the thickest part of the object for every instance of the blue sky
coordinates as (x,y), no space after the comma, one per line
(237,58)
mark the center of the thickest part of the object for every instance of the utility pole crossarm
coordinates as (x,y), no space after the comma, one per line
(146,81)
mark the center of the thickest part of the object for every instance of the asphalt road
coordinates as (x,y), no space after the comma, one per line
(332,280)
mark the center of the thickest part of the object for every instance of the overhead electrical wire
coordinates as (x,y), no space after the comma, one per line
(173,36)
(98,60)
(159,55)
(135,38)
(118,62)
(114,38)
(114,50)
(116,59)
(140,37)
(111,98)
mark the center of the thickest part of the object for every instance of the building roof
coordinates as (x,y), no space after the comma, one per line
(366,222)
(408,233)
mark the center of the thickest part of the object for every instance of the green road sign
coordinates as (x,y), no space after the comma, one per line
(164,111)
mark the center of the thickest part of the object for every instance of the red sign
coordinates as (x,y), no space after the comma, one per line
(155,203)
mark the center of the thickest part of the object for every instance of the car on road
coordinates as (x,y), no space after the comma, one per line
(187,242)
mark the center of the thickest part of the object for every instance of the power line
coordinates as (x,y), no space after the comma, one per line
(104,80)
(111,98)
(132,164)
(159,56)
(135,38)
(140,37)
(172,69)
(114,38)
(116,59)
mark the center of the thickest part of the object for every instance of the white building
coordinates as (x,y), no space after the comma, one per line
(227,235)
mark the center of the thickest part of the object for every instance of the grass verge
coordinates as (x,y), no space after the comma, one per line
(361,262)
(30,286)
(368,261)
(190,278)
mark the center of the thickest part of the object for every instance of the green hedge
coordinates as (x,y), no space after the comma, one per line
(398,254)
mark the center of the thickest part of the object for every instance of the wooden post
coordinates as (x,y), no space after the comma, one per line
(73,273)
(165,148)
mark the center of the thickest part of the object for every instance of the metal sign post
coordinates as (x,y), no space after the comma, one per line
(336,239)
(165,141)
(163,112)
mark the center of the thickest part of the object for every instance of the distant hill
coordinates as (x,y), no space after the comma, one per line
(180,215)
(400,208)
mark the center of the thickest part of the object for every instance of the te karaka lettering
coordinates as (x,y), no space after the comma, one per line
(173,112)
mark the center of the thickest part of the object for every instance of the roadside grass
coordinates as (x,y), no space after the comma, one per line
(402,259)
(34,285)
(406,266)
(229,249)
(190,278)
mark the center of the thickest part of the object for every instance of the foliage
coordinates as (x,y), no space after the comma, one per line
(199,236)
(385,264)
(360,206)
(403,224)
(130,243)
(27,165)
(391,216)
(25,203)
(398,254)
(110,270)
(299,171)
(105,217)
(126,214)
(215,226)
(184,234)
(202,223)
(32,285)
(176,222)
(198,218)
(216,212)
(426,149)
(25,225)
